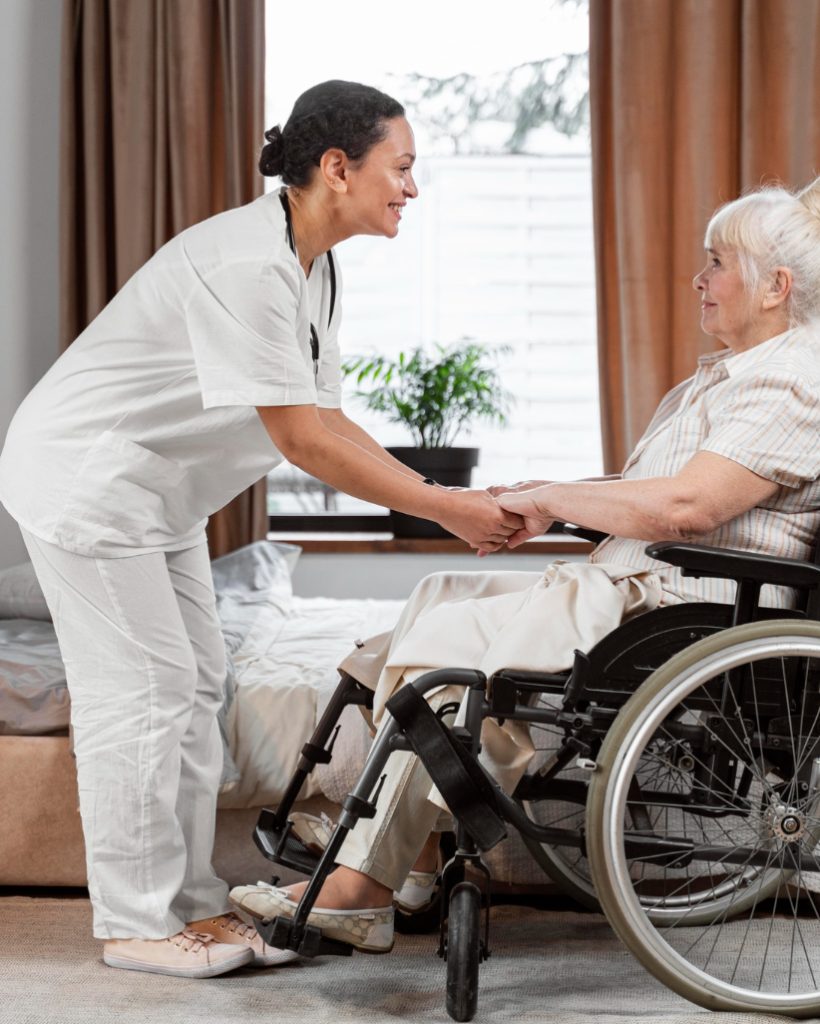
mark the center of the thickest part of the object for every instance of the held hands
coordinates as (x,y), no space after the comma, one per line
(531,506)
(479,520)
(522,485)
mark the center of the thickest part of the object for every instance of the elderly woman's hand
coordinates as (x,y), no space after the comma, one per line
(479,520)
(522,485)
(532,506)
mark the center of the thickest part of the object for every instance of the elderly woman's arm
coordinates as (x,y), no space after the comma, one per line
(710,490)
(528,485)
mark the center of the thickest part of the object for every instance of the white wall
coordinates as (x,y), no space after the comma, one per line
(29,169)
(394,575)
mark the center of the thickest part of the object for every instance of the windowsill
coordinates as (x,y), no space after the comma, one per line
(374,543)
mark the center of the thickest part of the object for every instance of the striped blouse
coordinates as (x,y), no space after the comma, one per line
(761,409)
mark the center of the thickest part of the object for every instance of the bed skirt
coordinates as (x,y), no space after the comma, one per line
(41,840)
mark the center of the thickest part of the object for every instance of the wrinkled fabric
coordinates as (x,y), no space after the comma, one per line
(490,621)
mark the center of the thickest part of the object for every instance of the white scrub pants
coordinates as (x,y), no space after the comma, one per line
(145,665)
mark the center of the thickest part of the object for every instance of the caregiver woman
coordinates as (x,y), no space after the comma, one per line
(215,362)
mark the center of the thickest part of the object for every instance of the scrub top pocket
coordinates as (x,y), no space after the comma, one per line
(126,494)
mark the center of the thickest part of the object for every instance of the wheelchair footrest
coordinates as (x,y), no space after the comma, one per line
(281,846)
(307,941)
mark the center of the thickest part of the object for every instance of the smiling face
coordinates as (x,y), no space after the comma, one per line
(728,310)
(380,185)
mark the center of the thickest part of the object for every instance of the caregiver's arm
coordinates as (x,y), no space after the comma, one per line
(710,490)
(339,423)
(301,436)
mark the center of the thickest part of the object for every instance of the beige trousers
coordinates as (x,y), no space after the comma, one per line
(485,621)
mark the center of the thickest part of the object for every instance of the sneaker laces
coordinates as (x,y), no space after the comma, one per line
(190,942)
(234,924)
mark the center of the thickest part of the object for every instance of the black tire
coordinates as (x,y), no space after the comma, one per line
(463,951)
(761,726)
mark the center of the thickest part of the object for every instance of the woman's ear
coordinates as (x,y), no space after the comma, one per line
(779,288)
(333,167)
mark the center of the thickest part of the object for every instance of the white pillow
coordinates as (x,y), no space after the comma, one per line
(252,584)
(20,594)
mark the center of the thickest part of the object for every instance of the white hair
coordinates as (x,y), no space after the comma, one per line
(773,227)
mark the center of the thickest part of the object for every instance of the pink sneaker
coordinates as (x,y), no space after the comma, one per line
(232,930)
(185,955)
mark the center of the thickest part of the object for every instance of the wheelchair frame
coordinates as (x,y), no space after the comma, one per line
(587,701)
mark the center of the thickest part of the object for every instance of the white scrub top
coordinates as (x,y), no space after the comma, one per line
(147,424)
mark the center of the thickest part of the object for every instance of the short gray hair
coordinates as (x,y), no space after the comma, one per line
(773,227)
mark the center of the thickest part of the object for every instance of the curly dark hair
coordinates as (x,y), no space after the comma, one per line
(331,115)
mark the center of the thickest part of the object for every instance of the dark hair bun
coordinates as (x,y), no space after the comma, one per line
(272,160)
(332,115)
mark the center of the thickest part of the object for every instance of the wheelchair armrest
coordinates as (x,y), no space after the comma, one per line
(577,531)
(727,563)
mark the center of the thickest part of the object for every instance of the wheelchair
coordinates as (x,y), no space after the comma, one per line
(676,786)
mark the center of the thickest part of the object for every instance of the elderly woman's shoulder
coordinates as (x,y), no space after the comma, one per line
(796,354)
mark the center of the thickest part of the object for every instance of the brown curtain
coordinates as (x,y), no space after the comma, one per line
(162,118)
(692,102)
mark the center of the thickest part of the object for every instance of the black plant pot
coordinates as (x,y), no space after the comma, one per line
(452,467)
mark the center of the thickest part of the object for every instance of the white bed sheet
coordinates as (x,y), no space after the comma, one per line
(285,673)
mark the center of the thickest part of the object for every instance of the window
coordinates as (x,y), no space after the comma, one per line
(497,248)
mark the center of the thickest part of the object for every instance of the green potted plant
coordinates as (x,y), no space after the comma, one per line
(435,396)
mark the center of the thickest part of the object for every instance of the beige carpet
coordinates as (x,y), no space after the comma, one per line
(547,967)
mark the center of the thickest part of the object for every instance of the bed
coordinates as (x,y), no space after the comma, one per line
(282,651)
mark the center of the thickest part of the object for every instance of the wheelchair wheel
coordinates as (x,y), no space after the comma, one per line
(565,865)
(613,664)
(721,841)
(463,951)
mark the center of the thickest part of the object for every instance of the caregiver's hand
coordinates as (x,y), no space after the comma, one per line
(479,520)
(532,506)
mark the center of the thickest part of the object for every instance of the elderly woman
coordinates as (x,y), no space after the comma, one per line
(730,458)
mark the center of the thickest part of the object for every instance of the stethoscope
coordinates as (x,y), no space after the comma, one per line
(314,334)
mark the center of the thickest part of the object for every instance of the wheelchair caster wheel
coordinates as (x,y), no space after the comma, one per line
(463,951)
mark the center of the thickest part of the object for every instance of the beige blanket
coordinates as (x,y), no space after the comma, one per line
(495,620)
